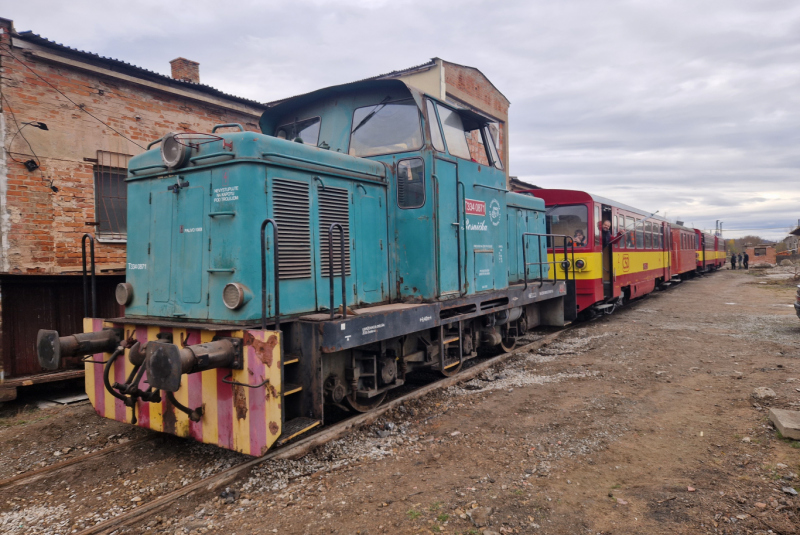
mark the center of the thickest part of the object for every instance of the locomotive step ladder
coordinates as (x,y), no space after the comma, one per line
(296,425)
(445,339)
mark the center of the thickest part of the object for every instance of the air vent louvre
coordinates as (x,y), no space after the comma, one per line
(291,208)
(334,207)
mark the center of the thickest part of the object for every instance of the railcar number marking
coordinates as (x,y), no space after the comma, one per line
(137,266)
(473,207)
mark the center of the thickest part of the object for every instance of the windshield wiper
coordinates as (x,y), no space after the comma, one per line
(371,114)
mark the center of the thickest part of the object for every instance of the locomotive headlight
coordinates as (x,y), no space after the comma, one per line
(124,293)
(580,263)
(565,264)
(234,295)
(174,154)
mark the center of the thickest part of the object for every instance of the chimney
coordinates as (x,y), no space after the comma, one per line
(185,70)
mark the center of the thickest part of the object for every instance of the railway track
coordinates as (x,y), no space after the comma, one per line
(304,445)
(34,475)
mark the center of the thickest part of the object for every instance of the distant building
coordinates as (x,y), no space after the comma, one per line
(764,253)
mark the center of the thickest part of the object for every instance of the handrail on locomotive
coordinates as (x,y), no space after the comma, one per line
(566,264)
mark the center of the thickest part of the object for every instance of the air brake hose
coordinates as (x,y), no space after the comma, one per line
(117,352)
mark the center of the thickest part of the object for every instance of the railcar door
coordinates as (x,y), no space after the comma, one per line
(448,265)
(604,214)
(372,260)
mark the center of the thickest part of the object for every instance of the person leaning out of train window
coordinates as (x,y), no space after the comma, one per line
(579,238)
(605,229)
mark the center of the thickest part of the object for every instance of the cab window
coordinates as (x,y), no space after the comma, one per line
(305,131)
(572,221)
(454,133)
(436,132)
(386,128)
(410,183)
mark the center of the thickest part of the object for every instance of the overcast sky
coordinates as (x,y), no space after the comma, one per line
(691,108)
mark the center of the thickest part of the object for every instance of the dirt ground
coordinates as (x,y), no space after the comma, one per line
(639,422)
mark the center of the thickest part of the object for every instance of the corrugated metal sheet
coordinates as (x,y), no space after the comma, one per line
(32,302)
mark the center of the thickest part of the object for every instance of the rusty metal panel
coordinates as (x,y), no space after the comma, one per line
(33,302)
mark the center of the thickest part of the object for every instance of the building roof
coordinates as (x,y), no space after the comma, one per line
(128,68)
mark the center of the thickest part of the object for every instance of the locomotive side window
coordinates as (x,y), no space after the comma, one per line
(386,128)
(410,183)
(572,221)
(492,148)
(454,133)
(305,131)
(436,132)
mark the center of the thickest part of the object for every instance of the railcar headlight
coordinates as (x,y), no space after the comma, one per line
(565,264)
(234,295)
(580,263)
(174,154)
(124,293)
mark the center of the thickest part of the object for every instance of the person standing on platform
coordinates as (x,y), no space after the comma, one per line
(746,260)
(733,261)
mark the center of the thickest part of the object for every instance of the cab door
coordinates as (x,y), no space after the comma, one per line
(448,227)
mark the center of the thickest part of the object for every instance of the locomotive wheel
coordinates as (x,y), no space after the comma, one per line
(508,344)
(452,370)
(364,404)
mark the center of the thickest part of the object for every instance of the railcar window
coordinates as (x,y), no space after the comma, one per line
(386,128)
(639,234)
(572,221)
(648,235)
(630,237)
(614,227)
(454,133)
(436,131)
(410,183)
(305,131)
(598,224)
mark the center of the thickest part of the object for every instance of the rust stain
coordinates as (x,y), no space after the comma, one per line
(240,402)
(271,392)
(273,428)
(264,449)
(168,417)
(264,350)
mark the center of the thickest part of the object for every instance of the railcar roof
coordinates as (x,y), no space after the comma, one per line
(583,196)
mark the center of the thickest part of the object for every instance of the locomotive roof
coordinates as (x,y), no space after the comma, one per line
(470,118)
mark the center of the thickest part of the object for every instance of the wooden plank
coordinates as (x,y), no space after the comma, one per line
(44,378)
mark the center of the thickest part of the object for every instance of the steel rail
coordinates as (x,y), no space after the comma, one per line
(29,477)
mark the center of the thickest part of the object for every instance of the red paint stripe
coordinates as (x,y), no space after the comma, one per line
(224,410)
(195,394)
(142,407)
(99,389)
(257,411)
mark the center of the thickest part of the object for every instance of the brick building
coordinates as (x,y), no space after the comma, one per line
(70,121)
(760,254)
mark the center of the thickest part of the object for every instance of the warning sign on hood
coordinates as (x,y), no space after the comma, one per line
(474,207)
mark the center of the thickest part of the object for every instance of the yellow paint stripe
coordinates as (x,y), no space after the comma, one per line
(182,395)
(312,426)
(89,368)
(156,416)
(241,426)
(210,413)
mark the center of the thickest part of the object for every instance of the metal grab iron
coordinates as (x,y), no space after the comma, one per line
(166,362)
(51,348)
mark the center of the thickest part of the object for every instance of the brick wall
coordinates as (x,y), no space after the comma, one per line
(769,256)
(469,82)
(42,229)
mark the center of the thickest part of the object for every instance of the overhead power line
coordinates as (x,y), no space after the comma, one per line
(80,107)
